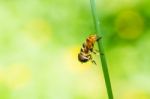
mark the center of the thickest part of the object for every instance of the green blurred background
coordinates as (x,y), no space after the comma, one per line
(40,40)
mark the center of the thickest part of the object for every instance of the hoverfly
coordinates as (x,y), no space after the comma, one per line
(87,49)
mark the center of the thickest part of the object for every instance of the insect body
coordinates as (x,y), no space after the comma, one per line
(87,49)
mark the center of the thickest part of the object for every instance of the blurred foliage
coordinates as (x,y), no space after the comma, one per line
(40,40)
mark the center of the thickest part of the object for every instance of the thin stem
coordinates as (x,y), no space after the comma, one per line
(100,46)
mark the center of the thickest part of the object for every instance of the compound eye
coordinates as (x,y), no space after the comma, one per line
(82,58)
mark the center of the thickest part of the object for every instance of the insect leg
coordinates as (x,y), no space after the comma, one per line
(95,51)
(98,38)
(93,61)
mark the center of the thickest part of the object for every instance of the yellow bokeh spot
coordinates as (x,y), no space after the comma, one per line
(136,95)
(17,76)
(84,72)
(38,30)
(129,24)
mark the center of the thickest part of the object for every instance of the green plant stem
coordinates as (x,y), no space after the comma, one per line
(102,55)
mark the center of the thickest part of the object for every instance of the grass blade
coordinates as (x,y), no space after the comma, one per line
(102,55)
